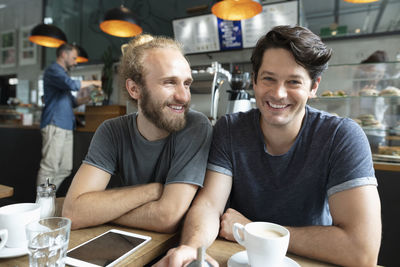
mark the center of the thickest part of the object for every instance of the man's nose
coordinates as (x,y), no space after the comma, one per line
(279,91)
(182,94)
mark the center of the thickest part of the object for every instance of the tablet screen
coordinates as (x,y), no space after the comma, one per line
(105,249)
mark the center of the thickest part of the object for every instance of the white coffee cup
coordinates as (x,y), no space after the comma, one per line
(13,219)
(266,243)
(3,237)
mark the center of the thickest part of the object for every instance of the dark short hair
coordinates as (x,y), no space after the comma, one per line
(307,48)
(65,48)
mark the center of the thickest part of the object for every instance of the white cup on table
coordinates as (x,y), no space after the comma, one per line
(13,219)
(266,243)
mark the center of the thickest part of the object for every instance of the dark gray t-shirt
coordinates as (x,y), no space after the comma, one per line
(118,148)
(329,155)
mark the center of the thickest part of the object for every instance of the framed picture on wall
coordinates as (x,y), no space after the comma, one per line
(27,49)
(8,49)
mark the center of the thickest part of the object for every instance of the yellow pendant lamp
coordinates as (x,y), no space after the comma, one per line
(236,9)
(361,1)
(47,35)
(120,22)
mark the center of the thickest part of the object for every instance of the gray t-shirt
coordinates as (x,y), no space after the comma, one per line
(329,155)
(118,148)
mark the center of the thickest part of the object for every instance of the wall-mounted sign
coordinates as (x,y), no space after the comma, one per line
(8,51)
(230,34)
(271,16)
(207,33)
(27,49)
(197,34)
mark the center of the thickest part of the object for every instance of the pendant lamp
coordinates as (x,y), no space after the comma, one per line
(82,55)
(120,22)
(360,1)
(47,35)
(236,9)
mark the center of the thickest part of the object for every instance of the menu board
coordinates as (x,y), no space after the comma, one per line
(207,33)
(271,16)
(197,34)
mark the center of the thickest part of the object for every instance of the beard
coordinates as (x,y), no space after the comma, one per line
(153,111)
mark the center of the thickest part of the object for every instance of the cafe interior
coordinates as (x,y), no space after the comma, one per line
(218,48)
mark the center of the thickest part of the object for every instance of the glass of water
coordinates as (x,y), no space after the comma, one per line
(48,241)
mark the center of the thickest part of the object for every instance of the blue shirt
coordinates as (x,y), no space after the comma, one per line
(330,154)
(58,100)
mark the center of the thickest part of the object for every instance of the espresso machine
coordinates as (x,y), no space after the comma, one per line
(239,99)
(209,91)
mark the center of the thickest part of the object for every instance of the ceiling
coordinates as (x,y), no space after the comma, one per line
(80,18)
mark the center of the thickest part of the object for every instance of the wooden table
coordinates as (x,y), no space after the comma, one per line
(158,245)
(6,191)
(220,250)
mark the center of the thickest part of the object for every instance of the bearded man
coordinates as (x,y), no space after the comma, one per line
(160,152)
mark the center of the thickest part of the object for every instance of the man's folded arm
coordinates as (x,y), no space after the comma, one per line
(164,214)
(353,239)
(88,203)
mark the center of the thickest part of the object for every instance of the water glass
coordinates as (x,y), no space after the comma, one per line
(48,241)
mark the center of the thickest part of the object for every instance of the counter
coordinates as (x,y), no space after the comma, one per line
(95,115)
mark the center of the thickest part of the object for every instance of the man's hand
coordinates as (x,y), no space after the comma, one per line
(181,256)
(230,217)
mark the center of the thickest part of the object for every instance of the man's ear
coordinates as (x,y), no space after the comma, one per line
(314,88)
(133,88)
(64,54)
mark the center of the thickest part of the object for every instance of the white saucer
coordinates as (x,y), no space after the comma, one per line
(6,252)
(240,260)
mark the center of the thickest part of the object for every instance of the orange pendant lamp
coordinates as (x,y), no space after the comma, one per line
(47,35)
(236,9)
(120,22)
(361,1)
(82,55)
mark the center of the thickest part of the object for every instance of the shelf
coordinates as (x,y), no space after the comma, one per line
(355,97)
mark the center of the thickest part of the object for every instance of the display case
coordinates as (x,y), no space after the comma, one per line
(370,95)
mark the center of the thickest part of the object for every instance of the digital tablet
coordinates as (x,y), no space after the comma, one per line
(106,249)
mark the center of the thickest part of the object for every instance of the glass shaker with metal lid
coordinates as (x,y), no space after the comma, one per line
(46,197)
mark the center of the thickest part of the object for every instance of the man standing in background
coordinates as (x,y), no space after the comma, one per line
(58,120)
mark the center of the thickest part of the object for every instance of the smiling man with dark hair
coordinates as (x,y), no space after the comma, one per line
(289,164)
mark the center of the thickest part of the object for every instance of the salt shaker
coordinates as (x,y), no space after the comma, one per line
(201,259)
(46,197)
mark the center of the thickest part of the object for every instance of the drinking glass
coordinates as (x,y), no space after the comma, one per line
(48,241)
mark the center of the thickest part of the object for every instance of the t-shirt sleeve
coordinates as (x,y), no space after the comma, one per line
(350,163)
(102,150)
(220,159)
(189,160)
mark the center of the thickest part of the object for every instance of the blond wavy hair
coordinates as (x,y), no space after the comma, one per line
(131,62)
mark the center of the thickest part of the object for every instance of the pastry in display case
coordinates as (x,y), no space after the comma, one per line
(370,95)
